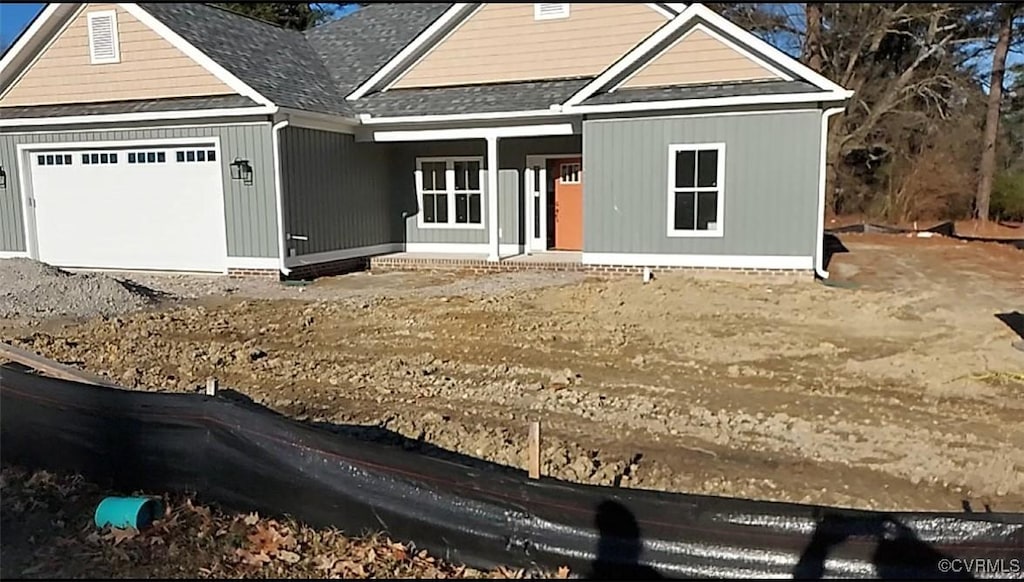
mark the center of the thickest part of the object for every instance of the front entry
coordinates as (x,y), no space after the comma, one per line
(566,206)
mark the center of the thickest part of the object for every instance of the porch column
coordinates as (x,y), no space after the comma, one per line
(493,242)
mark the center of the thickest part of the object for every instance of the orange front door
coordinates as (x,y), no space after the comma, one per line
(568,174)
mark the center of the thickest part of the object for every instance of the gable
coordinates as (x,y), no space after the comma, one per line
(500,43)
(136,63)
(699,56)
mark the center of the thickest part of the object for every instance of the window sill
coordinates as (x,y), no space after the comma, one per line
(696,233)
(448,226)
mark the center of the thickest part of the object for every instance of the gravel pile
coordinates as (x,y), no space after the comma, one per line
(30,288)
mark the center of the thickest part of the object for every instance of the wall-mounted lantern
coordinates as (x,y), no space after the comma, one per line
(3,178)
(241,170)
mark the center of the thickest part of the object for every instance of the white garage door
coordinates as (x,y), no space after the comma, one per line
(155,208)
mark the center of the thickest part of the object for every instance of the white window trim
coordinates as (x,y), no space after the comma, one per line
(719,231)
(115,40)
(449,181)
(539,15)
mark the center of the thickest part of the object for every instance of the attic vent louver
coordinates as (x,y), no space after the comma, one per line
(543,11)
(103,45)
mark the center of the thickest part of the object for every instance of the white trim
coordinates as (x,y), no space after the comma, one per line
(253,263)
(449,192)
(781,99)
(630,57)
(23,155)
(493,234)
(667,14)
(430,51)
(766,49)
(321,121)
(37,25)
(505,249)
(275,146)
(474,133)
(94,130)
(700,26)
(700,11)
(126,117)
(114,40)
(677,6)
(819,235)
(406,52)
(556,110)
(328,256)
(699,261)
(711,114)
(195,54)
(719,187)
(45,46)
(13,254)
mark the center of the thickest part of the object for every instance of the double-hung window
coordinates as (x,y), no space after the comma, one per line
(449,190)
(696,174)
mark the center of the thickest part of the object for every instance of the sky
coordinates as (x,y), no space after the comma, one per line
(15,17)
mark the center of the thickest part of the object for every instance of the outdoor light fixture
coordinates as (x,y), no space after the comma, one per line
(241,170)
(3,178)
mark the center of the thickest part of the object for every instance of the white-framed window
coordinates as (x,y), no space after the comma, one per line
(570,172)
(450,192)
(550,11)
(103,43)
(696,180)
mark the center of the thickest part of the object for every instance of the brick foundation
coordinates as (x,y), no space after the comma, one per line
(254,273)
(386,263)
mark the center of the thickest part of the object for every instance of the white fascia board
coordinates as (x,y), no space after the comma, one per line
(195,54)
(370,120)
(677,6)
(424,37)
(37,25)
(127,117)
(320,121)
(474,133)
(630,58)
(783,98)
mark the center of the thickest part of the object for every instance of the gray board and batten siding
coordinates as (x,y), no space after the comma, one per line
(250,211)
(770,185)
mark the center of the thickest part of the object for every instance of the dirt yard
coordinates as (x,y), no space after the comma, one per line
(893,387)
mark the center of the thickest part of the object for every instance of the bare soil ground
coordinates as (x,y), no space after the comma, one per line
(894,388)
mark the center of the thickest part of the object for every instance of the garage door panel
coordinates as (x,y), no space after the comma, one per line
(134,208)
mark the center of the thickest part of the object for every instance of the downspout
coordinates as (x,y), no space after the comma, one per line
(276,140)
(819,255)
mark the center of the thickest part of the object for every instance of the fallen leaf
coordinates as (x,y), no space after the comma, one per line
(118,535)
(289,557)
(399,552)
(563,572)
(324,563)
(252,518)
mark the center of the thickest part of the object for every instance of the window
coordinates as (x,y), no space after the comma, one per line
(695,182)
(146,157)
(53,159)
(570,173)
(450,192)
(103,45)
(544,11)
(194,156)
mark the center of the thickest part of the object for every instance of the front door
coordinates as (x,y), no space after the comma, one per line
(568,203)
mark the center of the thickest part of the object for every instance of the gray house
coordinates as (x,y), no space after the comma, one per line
(187,137)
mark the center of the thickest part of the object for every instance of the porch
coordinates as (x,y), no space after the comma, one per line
(479,262)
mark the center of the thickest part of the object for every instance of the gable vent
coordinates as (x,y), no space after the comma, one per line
(544,11)
(103,45)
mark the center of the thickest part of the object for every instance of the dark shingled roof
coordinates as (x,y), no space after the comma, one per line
(648,94)
(177,104)
(278,63)
(493,98)
(354,47)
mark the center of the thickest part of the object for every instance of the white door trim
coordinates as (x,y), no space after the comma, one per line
(23,153)
(539,244)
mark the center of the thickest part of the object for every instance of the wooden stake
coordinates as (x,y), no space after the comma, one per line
(533,445)
(50,367)
(211,386)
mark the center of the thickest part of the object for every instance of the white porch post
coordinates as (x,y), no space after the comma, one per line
(492,199)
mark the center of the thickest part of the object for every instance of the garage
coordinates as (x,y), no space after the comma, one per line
(146,207)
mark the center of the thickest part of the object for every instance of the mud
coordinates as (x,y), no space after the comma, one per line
(897,388)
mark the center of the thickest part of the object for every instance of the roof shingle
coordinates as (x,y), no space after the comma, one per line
(499,97)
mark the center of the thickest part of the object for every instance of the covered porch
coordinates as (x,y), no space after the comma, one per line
(528,212)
